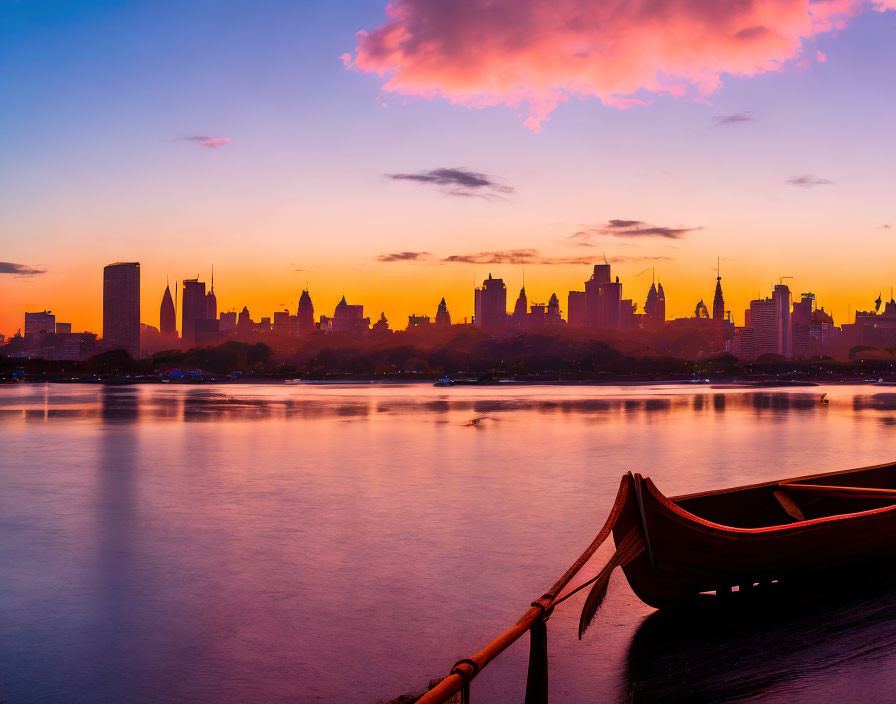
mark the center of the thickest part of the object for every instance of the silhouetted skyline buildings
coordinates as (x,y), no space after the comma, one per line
(776,325)
(121,306)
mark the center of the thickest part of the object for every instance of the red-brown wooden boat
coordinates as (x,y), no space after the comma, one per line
(801,529)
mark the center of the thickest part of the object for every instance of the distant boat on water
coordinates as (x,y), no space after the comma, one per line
(444,381)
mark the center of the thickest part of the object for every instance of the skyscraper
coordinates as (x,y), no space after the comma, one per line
(781,297)
(575,308)
(167,315)
(520,310)
(121,307)
(305,313)
(763,321)
(443,317)
(801,325)
(492,305)
(193,308)
(602,299)
(40,323)
(211,301)
(718,301)
(552,317)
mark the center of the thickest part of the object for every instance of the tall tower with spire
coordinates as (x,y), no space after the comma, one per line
(167,315)
(211,301)
(718,301)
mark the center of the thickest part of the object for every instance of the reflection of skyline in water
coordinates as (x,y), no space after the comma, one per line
(129,404)
(275,543)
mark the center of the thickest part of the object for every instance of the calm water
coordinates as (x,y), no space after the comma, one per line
(314,543)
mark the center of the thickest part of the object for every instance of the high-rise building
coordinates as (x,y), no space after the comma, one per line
(192,307)
(227,322)
(763,320)
(552,316)
(801,324)
(518,319)
(244,325)
(211,302)
(281,323)
(443,317)
(718,301)
(167,315)
(575,309)
(537,315)
(40,323)
(305,314)
(781,297)
(655,306)
(346,318)
(121,307)
(491,304)
(603,298)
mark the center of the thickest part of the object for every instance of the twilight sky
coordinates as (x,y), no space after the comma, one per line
(394,154)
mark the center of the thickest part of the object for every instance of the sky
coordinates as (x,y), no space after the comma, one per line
(396,155)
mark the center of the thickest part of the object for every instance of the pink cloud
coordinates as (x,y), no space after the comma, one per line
(536,54)
(211,142)
(821,56)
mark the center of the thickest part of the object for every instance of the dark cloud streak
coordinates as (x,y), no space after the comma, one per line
(457,182)
(20,269)
(808,181)
(630,229)
(402,256)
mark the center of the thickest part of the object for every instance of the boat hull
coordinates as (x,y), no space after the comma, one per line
(687,555)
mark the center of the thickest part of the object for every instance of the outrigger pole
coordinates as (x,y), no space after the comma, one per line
(463,672)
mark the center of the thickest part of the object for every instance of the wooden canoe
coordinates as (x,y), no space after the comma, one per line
(805,529)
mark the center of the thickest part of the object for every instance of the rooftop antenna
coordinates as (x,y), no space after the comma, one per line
(604,255)
(213,278)
(718,268)
(781,279)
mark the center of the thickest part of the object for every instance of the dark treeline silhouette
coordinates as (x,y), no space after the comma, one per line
(566,353)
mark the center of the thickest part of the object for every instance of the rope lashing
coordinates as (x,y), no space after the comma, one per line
(629,549)
(458,680)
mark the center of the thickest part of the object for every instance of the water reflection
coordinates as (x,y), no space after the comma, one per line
(207,404)
(755,647)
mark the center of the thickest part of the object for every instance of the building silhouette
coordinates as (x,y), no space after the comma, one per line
(282,324)
(575,308)
(718,301)
(167,315)
(346,318)
(552,316)
(305,314)
(519,319)
(443,317)
(701,310)
(211,301)
(603,299)
(121,307)
(192,307)
(418,321)
(244,325)
(491,305)
(42,323)
(801,325)
(655,306)
(783,333)
(227,322)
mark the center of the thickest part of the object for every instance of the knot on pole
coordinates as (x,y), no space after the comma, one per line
(463,673)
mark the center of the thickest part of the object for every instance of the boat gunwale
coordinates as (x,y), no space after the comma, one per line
(784,528)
